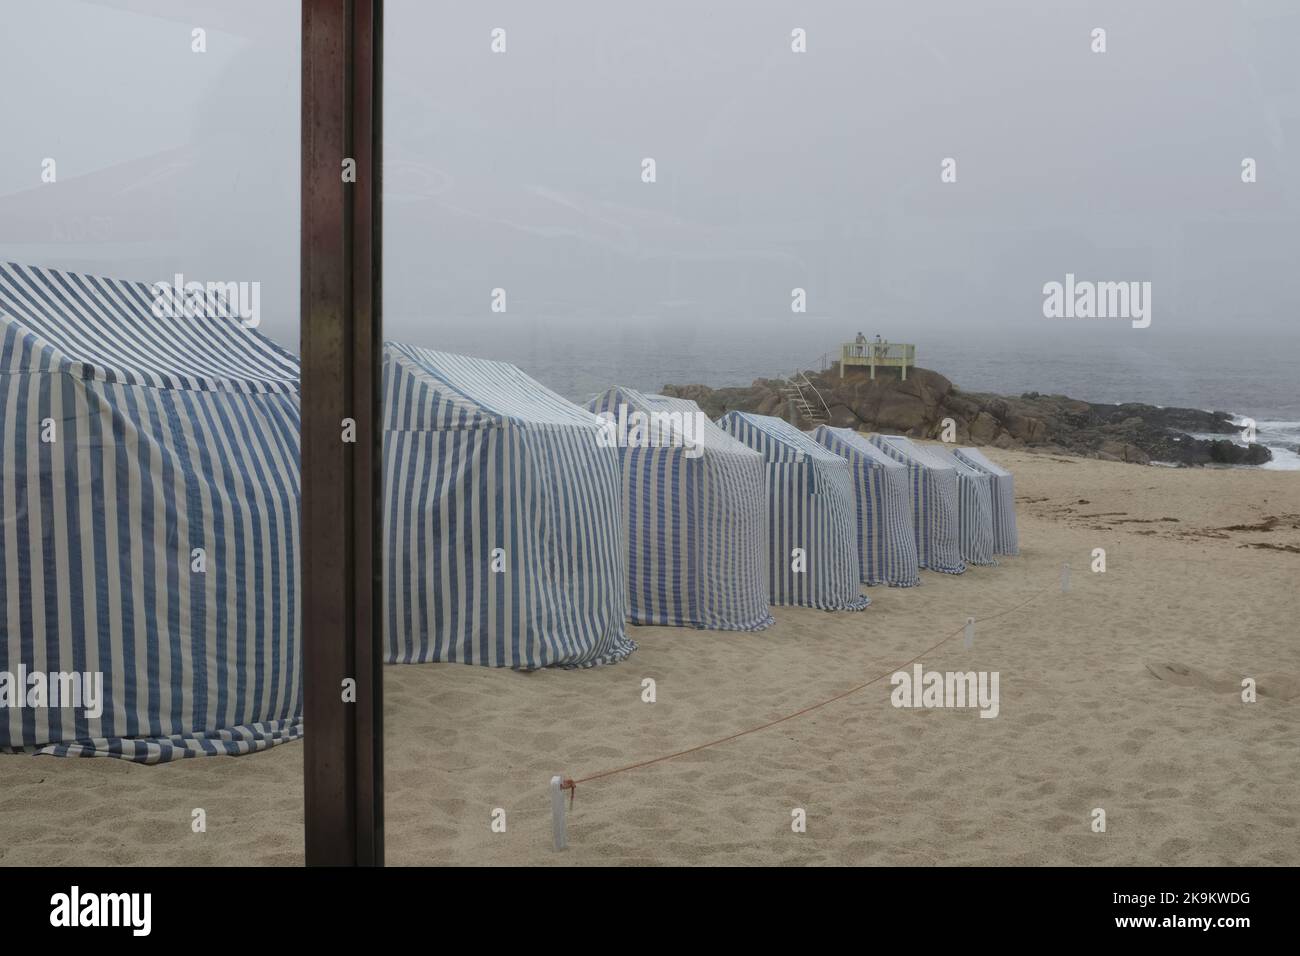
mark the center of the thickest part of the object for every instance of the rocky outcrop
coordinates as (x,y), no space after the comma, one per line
(918,407)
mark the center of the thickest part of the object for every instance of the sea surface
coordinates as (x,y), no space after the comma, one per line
(1256,377)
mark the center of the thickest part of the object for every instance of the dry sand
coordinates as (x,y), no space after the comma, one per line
(1122,694)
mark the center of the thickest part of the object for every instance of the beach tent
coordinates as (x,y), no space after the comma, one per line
(502,537)
(149,509)
(694,518)
(933,484)
(886,542)
(974,508)
(1005,538)
(811,515)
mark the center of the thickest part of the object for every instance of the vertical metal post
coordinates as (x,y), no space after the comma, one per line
(341,353)
(558,835)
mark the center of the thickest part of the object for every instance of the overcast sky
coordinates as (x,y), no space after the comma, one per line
(775,170)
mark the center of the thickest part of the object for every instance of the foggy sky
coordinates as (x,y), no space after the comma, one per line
(775,170)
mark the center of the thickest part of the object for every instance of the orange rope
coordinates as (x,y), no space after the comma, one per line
(572,785)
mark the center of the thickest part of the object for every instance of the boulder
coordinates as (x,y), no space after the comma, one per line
(984,428)
(1123,451)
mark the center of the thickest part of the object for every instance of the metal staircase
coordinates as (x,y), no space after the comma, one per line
(805,400)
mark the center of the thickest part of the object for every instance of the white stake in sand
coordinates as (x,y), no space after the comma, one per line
(1065,578)
(557,813)
(970,633)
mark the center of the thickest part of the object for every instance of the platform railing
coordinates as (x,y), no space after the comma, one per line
(898,355)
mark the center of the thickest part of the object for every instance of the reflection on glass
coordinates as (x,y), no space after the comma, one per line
(149,487)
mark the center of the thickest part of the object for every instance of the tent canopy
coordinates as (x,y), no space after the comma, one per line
(974,509)
(1006,540)
(149,510)
(502,537)
(933,486)
(693,515)
(811,515)
(886,542)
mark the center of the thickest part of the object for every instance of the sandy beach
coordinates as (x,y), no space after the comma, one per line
(1200,588)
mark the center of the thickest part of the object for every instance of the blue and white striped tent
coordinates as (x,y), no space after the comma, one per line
(694,517)
(502,537)
(1006,540)
(974,509)
(935,521)
(810,506)
(886,542)
(149,509)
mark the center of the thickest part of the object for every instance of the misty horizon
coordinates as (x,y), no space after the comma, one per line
(775,171)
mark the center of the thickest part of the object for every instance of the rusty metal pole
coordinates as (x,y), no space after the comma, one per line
(341,353)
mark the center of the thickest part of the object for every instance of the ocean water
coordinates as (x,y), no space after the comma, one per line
(1256,377)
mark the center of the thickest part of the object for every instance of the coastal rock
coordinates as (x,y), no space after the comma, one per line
(1128,432)
(984,429)
(1230,453)
(1123,451)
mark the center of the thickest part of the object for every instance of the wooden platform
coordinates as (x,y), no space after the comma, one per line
(873,355)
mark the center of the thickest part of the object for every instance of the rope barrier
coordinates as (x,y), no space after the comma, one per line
(571,784)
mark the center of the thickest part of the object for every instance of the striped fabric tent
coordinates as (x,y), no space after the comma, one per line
(974,509)
(693,515)
(810,506)
(502,536)
(149,509)
(886,542)
(1006,540)
(935,521)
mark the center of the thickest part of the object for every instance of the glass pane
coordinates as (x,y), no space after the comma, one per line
(149,427)
(943,289)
